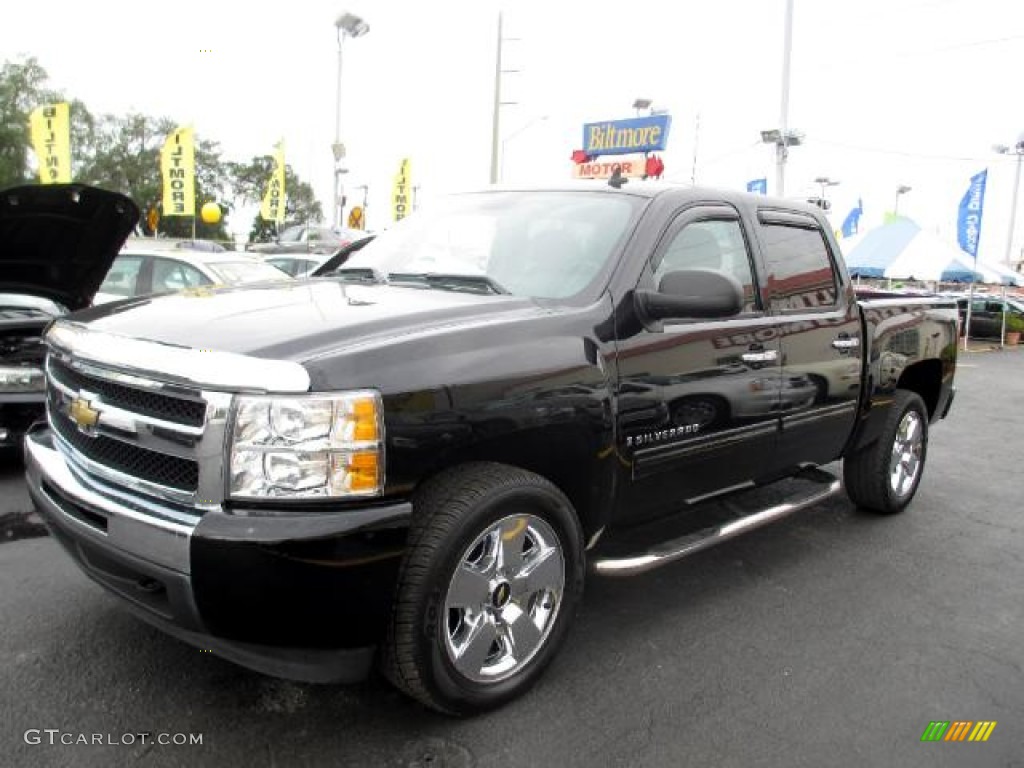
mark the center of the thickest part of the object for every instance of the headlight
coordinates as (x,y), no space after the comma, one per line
(22,380)
(307,446)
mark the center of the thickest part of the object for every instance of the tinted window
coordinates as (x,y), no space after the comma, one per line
(170,275)
(800,272)
(122,277)
(715,245)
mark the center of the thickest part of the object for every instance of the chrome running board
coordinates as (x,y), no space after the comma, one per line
(823,486)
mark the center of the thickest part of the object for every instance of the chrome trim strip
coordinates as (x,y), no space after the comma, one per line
(119,418)
(677,549)
(130,481)
(194,367)
(143,501)
(154,538)
(799,418)
(647,459)
(157,387)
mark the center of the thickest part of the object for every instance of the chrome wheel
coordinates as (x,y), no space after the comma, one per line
(503,598)
(907,450)
(700,412)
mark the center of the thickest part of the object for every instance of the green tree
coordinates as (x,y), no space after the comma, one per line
(249,181)
(126,159)
(23,87)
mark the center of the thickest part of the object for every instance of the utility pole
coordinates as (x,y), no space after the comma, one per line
(496,117)
(498,103)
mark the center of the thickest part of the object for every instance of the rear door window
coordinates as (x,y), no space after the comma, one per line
(801,275)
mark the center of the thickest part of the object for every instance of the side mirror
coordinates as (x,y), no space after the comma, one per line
(692,294)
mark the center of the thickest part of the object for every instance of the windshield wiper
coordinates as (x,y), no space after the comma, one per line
(357,275)
(452,282)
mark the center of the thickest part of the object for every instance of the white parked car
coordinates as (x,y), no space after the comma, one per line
(138,271)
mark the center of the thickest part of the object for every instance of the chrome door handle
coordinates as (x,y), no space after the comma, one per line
(767,356)
(846,343)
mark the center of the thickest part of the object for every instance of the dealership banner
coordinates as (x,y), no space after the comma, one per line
(631,168)
(968,220)
(625,137)
(400,192)
(272,208)
(178,169)
(50,128)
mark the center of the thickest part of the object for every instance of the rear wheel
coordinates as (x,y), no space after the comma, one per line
(884,477)
(487,590)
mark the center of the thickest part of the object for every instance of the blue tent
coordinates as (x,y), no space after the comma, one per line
(902,250)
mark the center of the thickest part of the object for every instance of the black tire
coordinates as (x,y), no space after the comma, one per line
(869,474)
(451,512)
(820,389)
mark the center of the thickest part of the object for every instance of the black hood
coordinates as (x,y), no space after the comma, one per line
(59,240)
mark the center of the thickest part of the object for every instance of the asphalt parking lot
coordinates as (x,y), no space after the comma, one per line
(830,639)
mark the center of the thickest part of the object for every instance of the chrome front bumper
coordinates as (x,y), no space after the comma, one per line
(147,555)
(92,513)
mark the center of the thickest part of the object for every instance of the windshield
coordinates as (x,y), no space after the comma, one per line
(245,271)
(291,235)
(549,245)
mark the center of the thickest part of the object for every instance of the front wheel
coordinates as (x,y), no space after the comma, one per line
(884,476)
(488,588)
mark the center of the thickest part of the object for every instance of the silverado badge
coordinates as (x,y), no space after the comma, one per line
(83,414)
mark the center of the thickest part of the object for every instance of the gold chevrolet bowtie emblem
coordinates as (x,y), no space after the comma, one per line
(82,413)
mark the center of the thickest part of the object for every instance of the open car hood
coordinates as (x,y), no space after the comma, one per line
(58,240)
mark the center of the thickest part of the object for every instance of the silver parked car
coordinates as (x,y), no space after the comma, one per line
(140,271)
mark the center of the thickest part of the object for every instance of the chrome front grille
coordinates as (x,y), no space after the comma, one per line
(151,466)
(123,430)
(179,409)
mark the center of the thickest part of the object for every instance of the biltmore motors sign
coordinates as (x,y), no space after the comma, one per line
(626,137)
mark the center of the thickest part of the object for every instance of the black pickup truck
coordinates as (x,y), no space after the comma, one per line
(413,461)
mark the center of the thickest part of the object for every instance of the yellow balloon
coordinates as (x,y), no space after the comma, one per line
(210,213)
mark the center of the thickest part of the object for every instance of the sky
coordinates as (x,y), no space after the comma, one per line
(886,92)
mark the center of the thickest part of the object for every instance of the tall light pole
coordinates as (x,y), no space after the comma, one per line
(1018,150)
(902,189)
(351,25)
(782,148)
(825,181)
(507,139)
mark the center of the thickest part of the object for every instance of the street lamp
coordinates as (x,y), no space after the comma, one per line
(783,140)
(902,189)
(640,104)
(507,139)
(1018,150)
(350,25)
(825,181)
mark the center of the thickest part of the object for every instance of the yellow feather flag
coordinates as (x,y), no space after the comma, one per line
(50,126)
(178,167)
(274,198)
(400,207)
